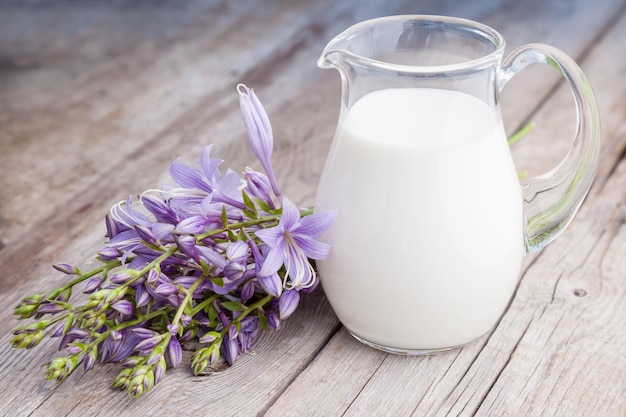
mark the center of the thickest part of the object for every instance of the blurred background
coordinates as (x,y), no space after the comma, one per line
(154,80)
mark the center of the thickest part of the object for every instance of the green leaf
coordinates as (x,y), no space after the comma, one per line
(224,217)
(262,318)
(69,322)
(212,313)
(234,306)
(263,205)
(521,133)
(250,210)
(188,310)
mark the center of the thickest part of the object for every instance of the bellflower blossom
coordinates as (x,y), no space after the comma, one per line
(260,136)
(205,264)
(292,242)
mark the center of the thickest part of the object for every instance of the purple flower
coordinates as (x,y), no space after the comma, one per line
(260,137)
(231,350)
(144,333)
(258,186)
(92,284)
(166,289)
(90,359)
(161,211)
(247,291)
(123,307)
(146,235)
(270,283)
(148,344)
(49,308)
(78,333)
(287,303)
(292,242)
(119,345)
(65,268)
(123,213)
(273,321)
(174,352)
(108,253)
(204,184)
(187,245)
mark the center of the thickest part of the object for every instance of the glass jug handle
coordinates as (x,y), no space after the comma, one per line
(552,199)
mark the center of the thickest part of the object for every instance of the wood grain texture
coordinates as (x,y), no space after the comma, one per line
(96,99)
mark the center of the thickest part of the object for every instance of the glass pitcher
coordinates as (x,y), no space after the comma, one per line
(432,223)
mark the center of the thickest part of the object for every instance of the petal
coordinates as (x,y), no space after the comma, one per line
(188,177)
(231,350)
(312,248)
(237,251)
(290,215)
(174,352)
(272,262)
(230,185)
(163,231)
(166,289)
(192,225)
(258,185)
(142,297)
(256,122)
(315,224)
(159,209)
(212,257)
(271,284)
(272,236)
(288,303)
(123,307)
(205,205)
(209,166)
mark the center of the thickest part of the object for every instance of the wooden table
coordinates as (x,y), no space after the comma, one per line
(96,99)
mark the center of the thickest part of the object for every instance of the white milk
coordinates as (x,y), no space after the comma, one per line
(427,244)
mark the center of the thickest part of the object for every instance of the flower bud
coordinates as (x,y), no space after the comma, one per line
(142,297)
(78,333)
(65,268)
(90,359)
(121,381)
(149,343)
(271,284)
(108,253)
(92,284)
(166,289)
(174,352)
(50,308)
(287,303)
(146,235)
(159,371)
(258,186)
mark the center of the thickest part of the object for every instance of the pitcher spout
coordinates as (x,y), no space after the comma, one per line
(334,54)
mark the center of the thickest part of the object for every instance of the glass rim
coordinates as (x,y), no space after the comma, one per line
(485,32)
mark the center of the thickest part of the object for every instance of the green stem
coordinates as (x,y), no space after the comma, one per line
(82,277)
(172,250)
(203,304)
(247,311)
(521,133)
(124,325)
(186,300)
(248,223)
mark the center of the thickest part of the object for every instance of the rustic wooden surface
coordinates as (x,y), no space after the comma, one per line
(97,98)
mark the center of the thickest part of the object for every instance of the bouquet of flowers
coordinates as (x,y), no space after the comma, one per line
(213,259)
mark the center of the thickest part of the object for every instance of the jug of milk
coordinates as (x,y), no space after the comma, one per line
(432,221)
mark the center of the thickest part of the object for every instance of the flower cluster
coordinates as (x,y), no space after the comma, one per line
(210,261)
